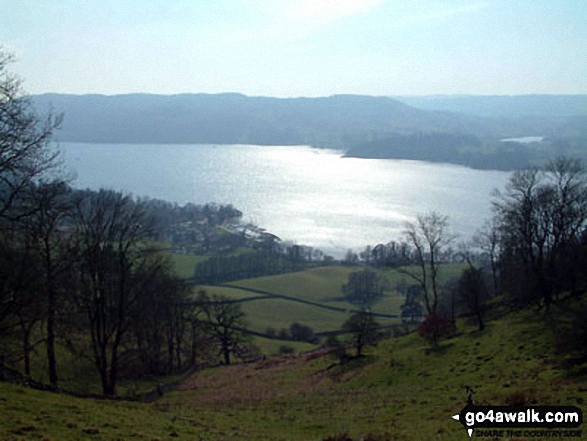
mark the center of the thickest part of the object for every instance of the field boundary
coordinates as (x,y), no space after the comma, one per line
(269,295)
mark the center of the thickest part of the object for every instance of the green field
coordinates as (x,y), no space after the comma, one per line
(402,390)
(317,284)
(185,264)
(313,298)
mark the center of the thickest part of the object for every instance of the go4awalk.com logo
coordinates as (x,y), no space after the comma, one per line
(520,421)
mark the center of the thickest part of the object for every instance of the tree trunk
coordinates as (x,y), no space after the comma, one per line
(51,341)
(494,277)
(103,376)
(49,271)
(194,345)
(226,352)
(480,321)
(170,354)
(27,352)
(113,377)
(178,355)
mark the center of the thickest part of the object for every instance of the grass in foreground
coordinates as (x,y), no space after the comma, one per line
(401,389)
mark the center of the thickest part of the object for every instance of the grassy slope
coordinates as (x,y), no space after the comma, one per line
(401,389)
(271,346)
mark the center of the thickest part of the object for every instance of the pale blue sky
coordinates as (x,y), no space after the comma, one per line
(291,48)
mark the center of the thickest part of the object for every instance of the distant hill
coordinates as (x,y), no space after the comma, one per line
(338,121)
(500,106)
(459,129)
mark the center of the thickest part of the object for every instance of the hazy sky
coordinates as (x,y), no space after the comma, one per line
(298,47)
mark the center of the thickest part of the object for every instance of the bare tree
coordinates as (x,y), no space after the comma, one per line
(111,230)
(25,157)
(429,237)
(363,328)
(473,294)
(488,241)
(568,180)
(412,309)
(24,142)
(225,321)
(45,227)
(516,216)
(161,314)
(541,215)
(20,289)
(364,288)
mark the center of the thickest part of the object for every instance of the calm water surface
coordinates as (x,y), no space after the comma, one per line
(309,196)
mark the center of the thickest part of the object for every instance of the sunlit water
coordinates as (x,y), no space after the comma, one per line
(309,196)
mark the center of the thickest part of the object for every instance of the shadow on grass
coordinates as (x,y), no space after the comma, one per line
(477,333)
(348,364)
(441,349)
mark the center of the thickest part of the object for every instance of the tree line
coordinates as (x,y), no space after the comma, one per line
(456,148)
(531,253)
(80,269)
(255,263)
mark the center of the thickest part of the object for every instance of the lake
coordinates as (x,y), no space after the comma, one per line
(309,196)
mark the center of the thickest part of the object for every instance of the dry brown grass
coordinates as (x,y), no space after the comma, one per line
(256,382)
